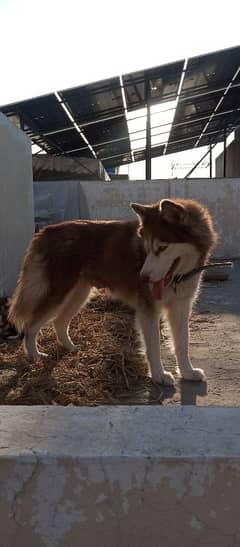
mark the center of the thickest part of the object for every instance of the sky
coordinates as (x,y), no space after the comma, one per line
(50,45)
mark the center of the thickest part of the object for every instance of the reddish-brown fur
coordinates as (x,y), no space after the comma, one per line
(106,254)
(194,227)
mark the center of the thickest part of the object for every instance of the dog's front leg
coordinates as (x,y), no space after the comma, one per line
(178,317)
(149,323)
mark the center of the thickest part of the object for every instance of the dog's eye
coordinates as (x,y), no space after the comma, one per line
(161,249)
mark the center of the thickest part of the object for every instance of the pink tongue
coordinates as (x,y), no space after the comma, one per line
(157,289)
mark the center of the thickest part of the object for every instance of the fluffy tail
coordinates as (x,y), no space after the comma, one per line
(18,314)
(31,289)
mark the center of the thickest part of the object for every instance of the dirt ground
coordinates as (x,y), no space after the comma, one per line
(110,368)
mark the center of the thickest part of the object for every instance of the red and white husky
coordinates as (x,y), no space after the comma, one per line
(136,260)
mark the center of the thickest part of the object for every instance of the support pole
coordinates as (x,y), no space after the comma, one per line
(225,155)
(148,134)
(210,162)
(21,122)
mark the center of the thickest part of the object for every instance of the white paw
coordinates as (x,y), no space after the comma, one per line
(165,378)
(194,375)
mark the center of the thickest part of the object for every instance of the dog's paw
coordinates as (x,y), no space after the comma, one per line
(165,378)
(37,356)
(73,349)
(69,347)
(194,375)
(43,356)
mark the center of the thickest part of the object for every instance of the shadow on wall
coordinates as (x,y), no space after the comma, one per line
(56,201)
(84,211)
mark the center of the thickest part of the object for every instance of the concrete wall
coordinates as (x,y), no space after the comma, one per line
(16,202)
(119,476)
(232,161)
(99,200)
(56,201)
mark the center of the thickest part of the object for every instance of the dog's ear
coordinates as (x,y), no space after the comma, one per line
(142,210)
(173,212)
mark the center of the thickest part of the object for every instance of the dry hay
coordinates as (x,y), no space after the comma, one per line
(109,367)
(7,331)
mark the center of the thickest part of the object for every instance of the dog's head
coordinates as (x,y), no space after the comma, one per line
(177,235)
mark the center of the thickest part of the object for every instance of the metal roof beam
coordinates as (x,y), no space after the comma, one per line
(68,111)
(159,143)
(105,143)
(208,92)
(36,133)
(179,124)
(229,86)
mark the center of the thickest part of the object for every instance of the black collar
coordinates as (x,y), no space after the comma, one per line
(184,277)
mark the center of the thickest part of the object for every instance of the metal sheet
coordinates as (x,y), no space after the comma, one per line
(209,72)
(95,101)
(140,155)
(112,149)
(195,108)
(68,140)
(107,131)
(116,161)
(180,146)
(186,131)
(44,112)
(164,82)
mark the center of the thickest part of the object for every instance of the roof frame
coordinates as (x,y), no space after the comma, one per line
(172,80)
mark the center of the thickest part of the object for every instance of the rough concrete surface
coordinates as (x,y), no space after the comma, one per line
(119,476)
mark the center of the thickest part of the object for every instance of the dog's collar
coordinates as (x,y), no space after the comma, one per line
(179,278)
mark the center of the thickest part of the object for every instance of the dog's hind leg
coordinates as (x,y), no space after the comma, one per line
(72,303)
(30,336)
(178,316)
(149,323)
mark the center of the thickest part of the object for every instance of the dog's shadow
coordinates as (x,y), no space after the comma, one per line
(189,391)
(182,392)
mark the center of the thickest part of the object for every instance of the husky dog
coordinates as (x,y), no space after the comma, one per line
(137,261)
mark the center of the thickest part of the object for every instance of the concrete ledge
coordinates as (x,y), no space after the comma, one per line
(119,476)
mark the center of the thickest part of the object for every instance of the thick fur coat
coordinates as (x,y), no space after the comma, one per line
(135,260)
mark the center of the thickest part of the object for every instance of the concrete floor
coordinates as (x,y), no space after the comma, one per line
(214,346)
(215,343)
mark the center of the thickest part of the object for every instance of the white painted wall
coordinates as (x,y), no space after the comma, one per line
(16,202)
(100,200)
